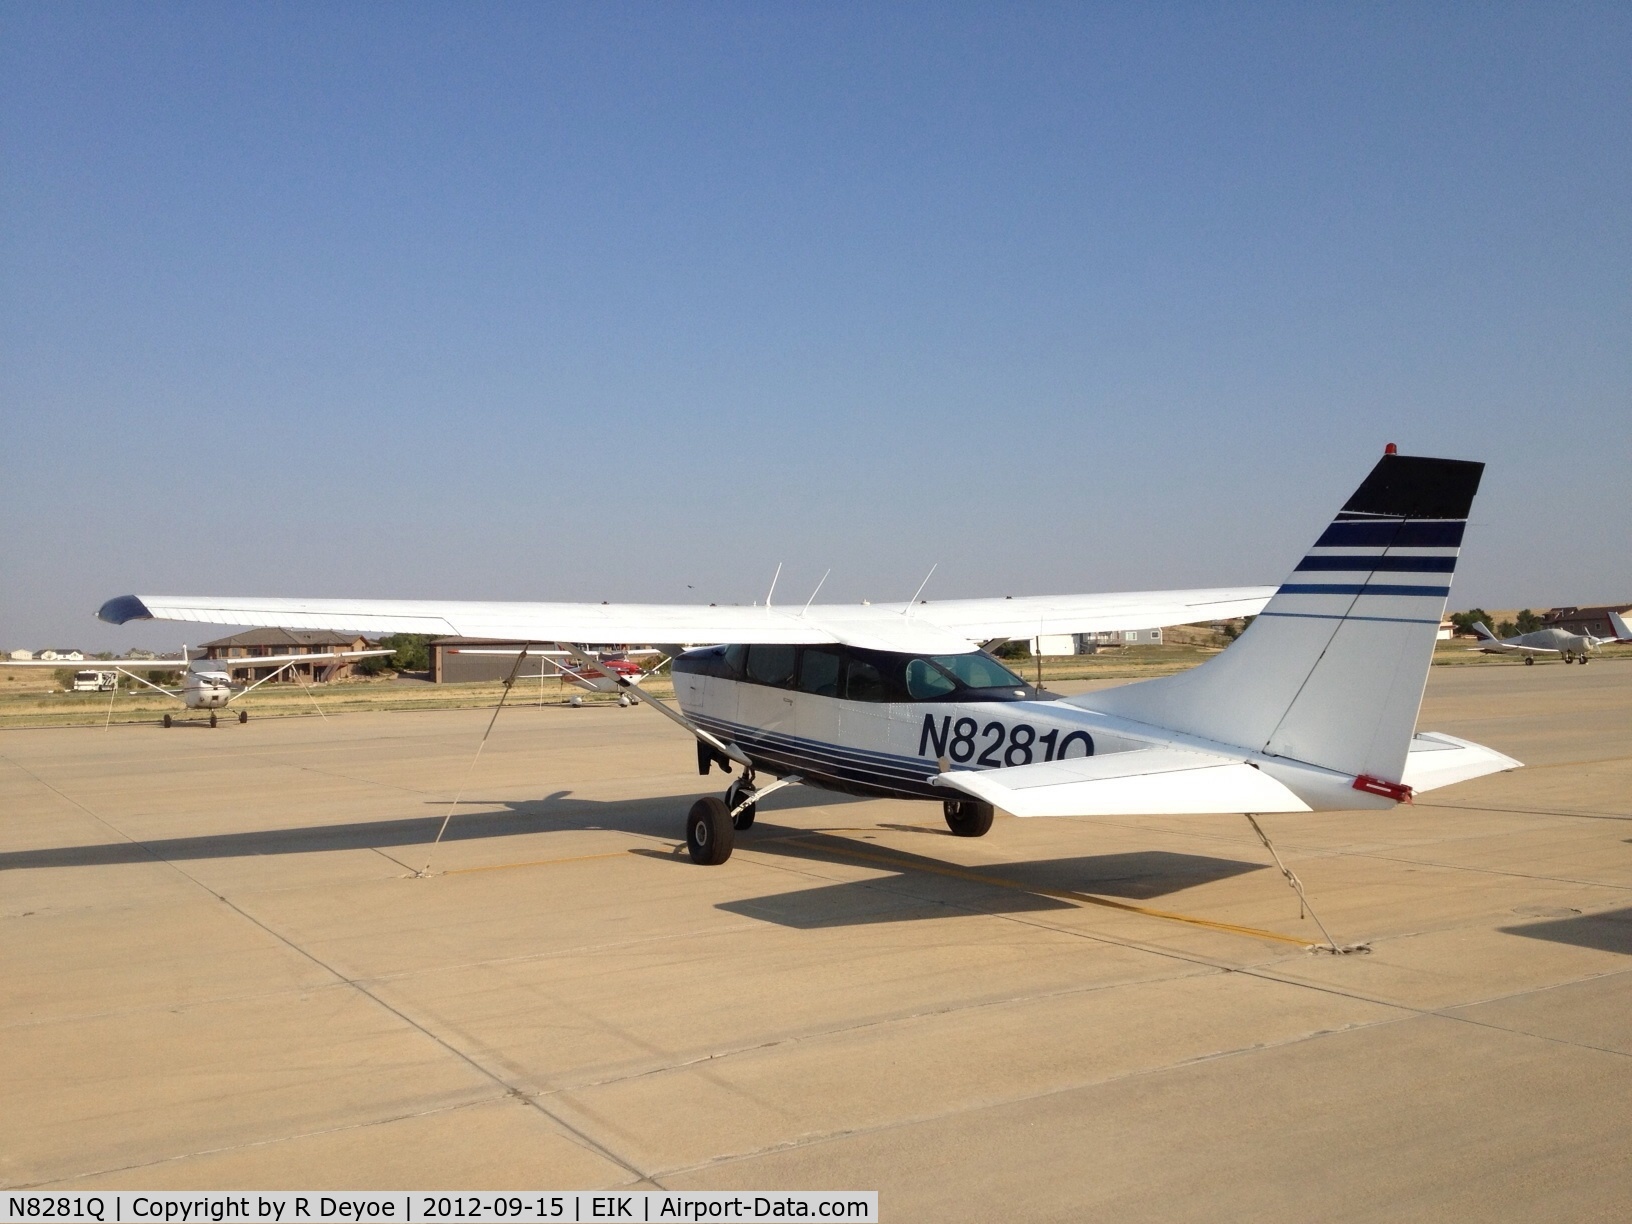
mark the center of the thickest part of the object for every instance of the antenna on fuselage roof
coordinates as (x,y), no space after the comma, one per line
(907,611)
(812,598)
(774,577)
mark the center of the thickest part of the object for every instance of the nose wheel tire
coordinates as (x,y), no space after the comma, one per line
(709,832)
(212,718)
(734,794)
(968,817)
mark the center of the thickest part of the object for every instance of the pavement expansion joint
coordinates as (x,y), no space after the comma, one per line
(986,1106)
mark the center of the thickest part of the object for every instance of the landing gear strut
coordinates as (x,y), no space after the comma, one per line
(968,817)
(740,789)
(712,825)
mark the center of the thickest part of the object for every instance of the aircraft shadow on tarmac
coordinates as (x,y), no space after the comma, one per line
(923,887)
(1607,932)
(918,886)
(476,819)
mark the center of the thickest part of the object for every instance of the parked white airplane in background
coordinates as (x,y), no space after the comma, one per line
(205,684)
(1312,709)
(1572,646)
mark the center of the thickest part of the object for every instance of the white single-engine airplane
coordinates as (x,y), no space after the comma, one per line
(1573,647)
(1312,709)
(206,685)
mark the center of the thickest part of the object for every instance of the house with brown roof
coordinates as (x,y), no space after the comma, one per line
(237,653)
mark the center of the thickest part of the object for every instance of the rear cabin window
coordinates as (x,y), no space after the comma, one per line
(819,672)
(772,665)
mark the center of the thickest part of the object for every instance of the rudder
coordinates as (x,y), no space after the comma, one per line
(1332,671)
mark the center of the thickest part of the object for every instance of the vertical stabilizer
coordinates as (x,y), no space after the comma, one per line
(1332,671)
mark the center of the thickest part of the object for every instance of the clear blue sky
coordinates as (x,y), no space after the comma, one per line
(635,301)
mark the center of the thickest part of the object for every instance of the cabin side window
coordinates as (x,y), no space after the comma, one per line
(771,665)
(819,671)
(925,681)
(864,682)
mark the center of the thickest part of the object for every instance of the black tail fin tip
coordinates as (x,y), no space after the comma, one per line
(1414,487)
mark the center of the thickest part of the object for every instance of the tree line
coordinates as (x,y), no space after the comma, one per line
(1526,622)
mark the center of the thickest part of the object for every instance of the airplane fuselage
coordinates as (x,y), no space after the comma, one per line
(207,690)
(849,720)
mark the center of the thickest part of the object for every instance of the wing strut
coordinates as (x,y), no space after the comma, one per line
(509,682)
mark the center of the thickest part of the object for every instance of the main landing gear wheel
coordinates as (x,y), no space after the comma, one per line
(212,718)
(968,817)
(243,716)
(709,833)
(735,794)
(168,720)
(1529,660)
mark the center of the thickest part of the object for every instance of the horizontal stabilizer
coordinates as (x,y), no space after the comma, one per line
(1436,760)
(1145,781)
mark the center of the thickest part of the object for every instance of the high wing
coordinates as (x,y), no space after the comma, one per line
(195,663)
(101,664)
(945,627)
(235,662)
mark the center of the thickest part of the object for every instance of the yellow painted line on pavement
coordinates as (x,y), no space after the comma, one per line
(974,877)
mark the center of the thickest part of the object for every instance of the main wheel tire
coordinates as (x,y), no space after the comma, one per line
(733,796)
(1529,660)
(243,716)
(968,817)
(212,718)
(1584,660)
(168,720)
(709,832)
(623,700)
